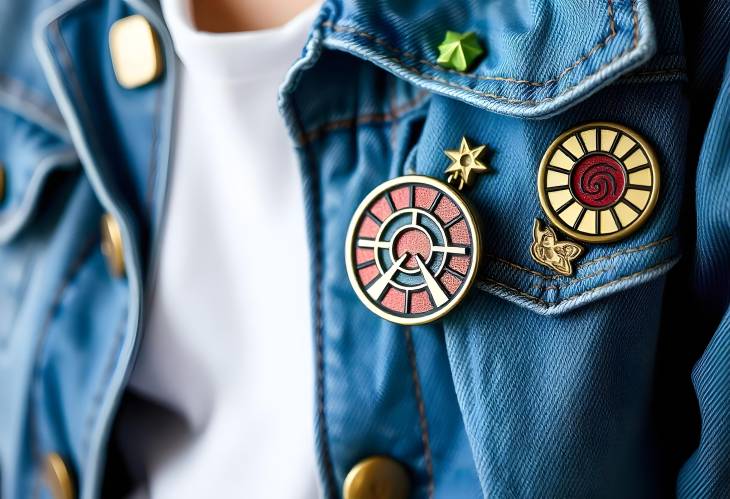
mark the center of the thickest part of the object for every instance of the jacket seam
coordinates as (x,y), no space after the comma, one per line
(29,97)
(153,163)
(384,43)
(584,265)
(626,251)
(394,113)
(288,107)
(510,100)
(553,304)
(73,270)
(422,420)
(108,372)
(572,282)
(20,292)
(322,428)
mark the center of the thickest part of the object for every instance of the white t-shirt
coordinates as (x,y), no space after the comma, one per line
(228,343)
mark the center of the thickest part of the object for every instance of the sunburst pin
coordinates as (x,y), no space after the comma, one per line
(465,164)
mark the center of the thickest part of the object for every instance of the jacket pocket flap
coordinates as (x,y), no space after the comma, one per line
(550,294)
(538,60)
(508,203)
(29,154)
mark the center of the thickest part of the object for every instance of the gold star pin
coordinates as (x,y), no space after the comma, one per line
(465,162)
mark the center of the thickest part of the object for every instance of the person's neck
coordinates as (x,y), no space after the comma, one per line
(226,16)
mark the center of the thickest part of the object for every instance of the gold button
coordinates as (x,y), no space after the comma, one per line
(135,51)
(57,477)
(377,477)
(2,182)
(111,245)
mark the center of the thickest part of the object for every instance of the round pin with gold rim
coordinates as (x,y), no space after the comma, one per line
(598,182)
(413,245)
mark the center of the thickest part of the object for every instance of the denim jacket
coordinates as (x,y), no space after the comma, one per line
(612,382)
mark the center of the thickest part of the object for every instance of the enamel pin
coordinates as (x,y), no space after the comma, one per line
(598,182)
(548,251)
(413,245)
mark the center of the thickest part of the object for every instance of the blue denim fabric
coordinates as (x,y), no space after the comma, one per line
(537,385)
(702,476)
(69,348)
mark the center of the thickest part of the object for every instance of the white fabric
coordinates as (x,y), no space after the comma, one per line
(228,341)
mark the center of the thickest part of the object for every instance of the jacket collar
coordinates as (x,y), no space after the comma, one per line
(536,64)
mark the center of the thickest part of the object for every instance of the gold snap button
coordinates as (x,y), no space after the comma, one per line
(135,52)
(2,182)
(377,477)
(111,245)
(57,477)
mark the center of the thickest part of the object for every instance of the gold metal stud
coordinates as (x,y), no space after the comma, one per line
(599,182)
(547,250)
(112,245)
(57,477)
(377,477)
(2,182)
(135,52)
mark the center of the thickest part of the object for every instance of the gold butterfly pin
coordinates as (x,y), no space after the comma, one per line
(548,251)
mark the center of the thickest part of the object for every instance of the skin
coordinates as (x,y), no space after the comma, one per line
(226,16)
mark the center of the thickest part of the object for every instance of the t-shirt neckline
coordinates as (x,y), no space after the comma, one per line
(245,55)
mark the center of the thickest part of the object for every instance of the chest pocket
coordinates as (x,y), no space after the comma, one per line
(508,201)
(565,73)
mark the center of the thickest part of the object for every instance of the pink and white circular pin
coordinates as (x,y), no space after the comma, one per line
(412,250)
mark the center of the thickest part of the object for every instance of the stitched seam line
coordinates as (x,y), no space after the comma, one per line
(628,251)
(323,432)
(584,265)
(393,114)
(572,281)
(35,426)
(549,305)
(30,97)
(319,334)
(411,55)
(529,102)
(422,420)
(384,43)
(99,393)
(17,296)
(152,168)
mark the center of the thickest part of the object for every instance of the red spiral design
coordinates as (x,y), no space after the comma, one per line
(598,181)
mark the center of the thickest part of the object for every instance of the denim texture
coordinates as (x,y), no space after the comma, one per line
(702,476)
(537,384)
